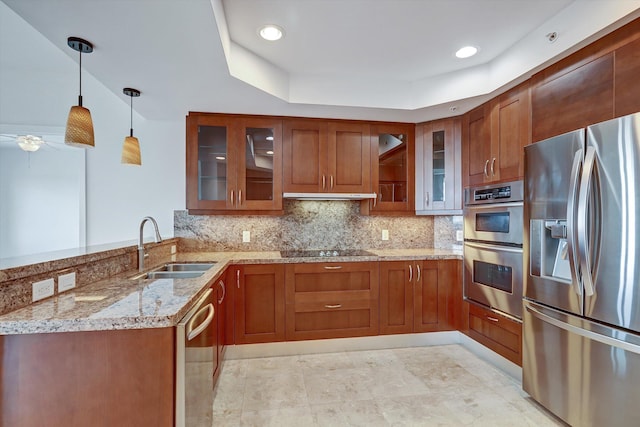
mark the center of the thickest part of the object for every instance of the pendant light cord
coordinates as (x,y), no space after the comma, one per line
(131,115)
(80,71)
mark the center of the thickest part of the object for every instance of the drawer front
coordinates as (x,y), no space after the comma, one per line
(335,302)
(499,333)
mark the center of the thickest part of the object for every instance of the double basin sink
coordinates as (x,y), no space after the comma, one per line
(175,270)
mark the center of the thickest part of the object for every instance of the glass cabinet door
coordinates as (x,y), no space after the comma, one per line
(259,172)
(392,174)
(213,160)
(438,166)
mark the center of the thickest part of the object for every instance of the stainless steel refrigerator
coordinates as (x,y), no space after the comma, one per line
(581,321)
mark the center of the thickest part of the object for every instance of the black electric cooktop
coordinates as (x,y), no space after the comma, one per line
(325,253)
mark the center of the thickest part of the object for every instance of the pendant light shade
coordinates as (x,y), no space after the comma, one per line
(131,148)
(79,131)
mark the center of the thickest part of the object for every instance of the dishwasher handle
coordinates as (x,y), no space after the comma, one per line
(190,331)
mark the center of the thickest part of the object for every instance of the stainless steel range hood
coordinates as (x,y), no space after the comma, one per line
(329,196)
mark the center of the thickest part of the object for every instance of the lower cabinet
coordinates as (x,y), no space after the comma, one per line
(96,378)
(258,302)
(419,296)
(331,300)
(499,333)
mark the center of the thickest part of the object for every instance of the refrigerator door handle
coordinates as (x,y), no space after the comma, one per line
(583,240)
(572,236)
(536,311)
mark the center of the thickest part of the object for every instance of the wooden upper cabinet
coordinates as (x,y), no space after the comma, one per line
(326,157)
(476,134)
(438,166)
(569,100)
(234,163)
(627,70)
(495,135)
(392,168)
(510,133)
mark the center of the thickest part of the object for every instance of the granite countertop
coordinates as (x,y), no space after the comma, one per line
(122,303)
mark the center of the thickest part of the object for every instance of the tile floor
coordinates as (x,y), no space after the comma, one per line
(421,386)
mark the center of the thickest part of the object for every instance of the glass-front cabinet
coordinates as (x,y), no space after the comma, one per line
(438,167)
(393,167)
(233,163)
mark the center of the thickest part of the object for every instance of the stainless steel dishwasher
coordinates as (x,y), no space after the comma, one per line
(196,347)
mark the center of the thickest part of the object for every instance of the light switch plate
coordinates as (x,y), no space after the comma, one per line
(459,235)
(42,289)
(246,236)
(174,249)
(385,234)
(66,281)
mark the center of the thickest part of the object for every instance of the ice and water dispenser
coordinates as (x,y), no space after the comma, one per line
(549,254)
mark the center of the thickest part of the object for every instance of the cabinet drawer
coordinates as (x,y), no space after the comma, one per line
(331,300)
(499,333)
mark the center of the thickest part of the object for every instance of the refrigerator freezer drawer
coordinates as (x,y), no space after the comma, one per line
(585,373)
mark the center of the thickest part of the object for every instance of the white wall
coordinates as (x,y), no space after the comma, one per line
(39,83)
(42,201)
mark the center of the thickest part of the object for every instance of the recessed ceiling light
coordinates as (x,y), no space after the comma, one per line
(271,32)
(466,52)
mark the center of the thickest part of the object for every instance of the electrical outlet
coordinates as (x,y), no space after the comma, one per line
(385,234)
(174,249)
(246,236)
(66,282)
(459,235)
(42,289)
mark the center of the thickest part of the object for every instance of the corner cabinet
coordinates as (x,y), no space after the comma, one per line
(438,167)
(326,157)
(392,169)
(494,136)
(234,163)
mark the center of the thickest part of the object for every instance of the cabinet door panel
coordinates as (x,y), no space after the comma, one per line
(478,140)
(576,99)
(305,155)
(427,306)
(348,157)
(259,181)
(396,298)
(259,315)
(627,70)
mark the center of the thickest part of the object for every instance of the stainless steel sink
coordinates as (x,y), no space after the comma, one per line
(176,270)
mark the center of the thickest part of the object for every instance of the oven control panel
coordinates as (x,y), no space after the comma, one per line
(493,193)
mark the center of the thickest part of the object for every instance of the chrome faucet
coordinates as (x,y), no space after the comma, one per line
(141,254)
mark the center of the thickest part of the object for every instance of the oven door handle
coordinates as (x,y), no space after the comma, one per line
(493,205)
(494,248)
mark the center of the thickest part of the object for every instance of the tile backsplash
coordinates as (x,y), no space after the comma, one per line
(314,225)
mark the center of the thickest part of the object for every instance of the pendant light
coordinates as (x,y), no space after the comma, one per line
(131,147)
(79,132)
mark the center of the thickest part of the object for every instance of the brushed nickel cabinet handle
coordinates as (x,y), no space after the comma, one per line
(493,319)
(332,267)
(375,200)
(332,305)
(410,273)
(192,332)
(486,165)
(232,198)
(239,197)
(493,163)
(323,182)
(427,199)
(331,181)
(238,278)
(418,268)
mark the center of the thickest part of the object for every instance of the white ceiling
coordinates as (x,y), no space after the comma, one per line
(368,59)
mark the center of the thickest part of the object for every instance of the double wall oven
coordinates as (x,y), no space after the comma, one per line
(493,218)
